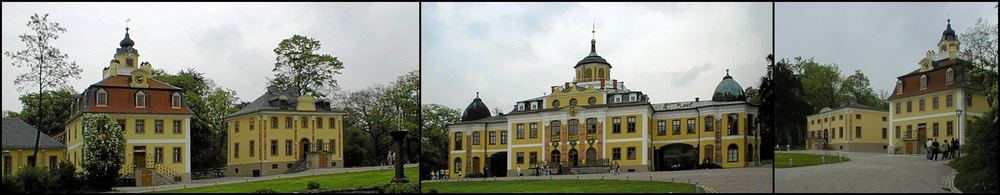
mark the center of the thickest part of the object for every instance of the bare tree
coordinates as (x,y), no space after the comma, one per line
(48,65)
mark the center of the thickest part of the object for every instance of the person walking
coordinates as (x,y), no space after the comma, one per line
(935,147)
(955,148)
(927,148)
(944,150)
(519,171)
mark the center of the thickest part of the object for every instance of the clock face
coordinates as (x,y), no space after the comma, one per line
(141,79)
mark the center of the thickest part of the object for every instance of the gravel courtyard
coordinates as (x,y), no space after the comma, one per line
(867,172)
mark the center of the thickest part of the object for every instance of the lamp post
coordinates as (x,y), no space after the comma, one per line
(961,129)
(398,136)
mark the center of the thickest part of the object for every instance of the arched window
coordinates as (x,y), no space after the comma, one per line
(709,153)
(555,128)
(102,98)
(140,99)
(591,125)
(949,76)
(572,102)
(923,82)
(555,103)
(899,87)
(175,100)
(749,153)
(734,153)
(458,165)
(588,74)
(600,73)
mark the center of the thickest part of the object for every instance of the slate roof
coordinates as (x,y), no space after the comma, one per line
(269,102)
(18,134)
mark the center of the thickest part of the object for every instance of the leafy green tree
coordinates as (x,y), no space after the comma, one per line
(104,151)
(299,66)
(53,119)
(48,66)
(789,124)
(976,168)
(979,43)
(380,109)
(766,114)
(753,95)
(434,137)
(856,87)
(820,82)
(210,105)
(358,147)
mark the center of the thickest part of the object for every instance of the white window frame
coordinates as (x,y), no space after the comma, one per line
(175,100)
(923,82)
(949,77)
(137,99)
(632,97)
(102,93)
(899,87)
(520,106)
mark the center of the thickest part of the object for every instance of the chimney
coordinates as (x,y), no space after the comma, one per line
(621,84)
(614,83)
(696,99)
(602,83)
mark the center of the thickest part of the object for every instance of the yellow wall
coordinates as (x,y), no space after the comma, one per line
(149,138)
(19,158)
(942,115)
(582,97)
(263,133)
(871,124)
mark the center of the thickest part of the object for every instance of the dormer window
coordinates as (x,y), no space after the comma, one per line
(949,76)
(102,98)
(175,100)
(899,87)
(534,105)
(618,98)
(632,97)
(140,99)
(520,106)
(923,82)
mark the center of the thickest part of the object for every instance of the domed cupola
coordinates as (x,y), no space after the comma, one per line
(476,110)
(593,67)
(126,42)
(948,34)
(728,90)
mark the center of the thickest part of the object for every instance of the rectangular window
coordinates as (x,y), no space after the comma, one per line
(520,158)
(616,125)
(236,126)
(533,131)
(690,126)
(909,106)
(177,155)
(175,101)
(841,132)
(333,146)
(898,108)
(53,162)
(319,123)
(158,155)
(897,132)
(661,128)
(616,153)
(274,122)
(968,101)
(288,122)
(493,138)
(857,116)
(274,147)
(921,106)
(885,133)
(734,122)
(533,158)
(305,122)
(121,124)
(677,127)
(948,101)
(475,138)
(333,124)
(949,127)
(177,127)
(520,131)
(503,137)
(458,140)
(236,150)
(631,124)
(734,154)
(631,153)
(158,126)
(935,130)
(857,132)
(252,148)
(288,147)
(884,119)
(140,126)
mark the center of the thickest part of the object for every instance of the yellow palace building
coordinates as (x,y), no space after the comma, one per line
(852,127)
(153,114)
(284,132)
(593,122)
(936,100)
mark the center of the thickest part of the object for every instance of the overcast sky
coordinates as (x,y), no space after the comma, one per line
(515,51)
(883,40)
(231,43)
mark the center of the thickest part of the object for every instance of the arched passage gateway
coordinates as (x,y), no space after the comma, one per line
(673,157)
(497,165)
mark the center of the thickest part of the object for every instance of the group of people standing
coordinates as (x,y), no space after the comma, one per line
(946,149)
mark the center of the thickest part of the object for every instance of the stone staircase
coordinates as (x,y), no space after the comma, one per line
(298,166)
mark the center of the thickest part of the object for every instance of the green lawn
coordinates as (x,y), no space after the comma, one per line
(298,184)
(556,186)
(800,159)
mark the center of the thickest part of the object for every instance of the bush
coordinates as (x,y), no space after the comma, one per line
(401,188)
(265,191)
(313,185)
(65,178)
(10,184)
(33,180)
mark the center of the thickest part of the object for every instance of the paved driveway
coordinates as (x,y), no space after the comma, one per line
(751,179)
(867,172)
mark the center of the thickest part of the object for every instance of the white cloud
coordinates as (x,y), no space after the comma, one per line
(231,43)
(515,51)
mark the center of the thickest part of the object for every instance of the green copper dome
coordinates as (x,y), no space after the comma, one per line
(728,90)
